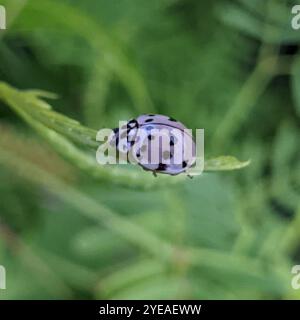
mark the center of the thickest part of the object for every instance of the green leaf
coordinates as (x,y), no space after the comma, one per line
(57,127)
(225,163)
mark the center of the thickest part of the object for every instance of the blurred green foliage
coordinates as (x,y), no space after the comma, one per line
(70,230)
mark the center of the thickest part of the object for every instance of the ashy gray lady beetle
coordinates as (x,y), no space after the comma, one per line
(158,143)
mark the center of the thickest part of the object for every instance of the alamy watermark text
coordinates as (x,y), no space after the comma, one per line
(2,18)
(2,277)
(296,17)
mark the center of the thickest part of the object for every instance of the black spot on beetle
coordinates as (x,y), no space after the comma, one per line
(184,164)
(151,115)
(172,119)
(132,124)
(150,137)
(172,140)
(149,120)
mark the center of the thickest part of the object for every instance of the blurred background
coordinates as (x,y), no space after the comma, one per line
(72,230)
